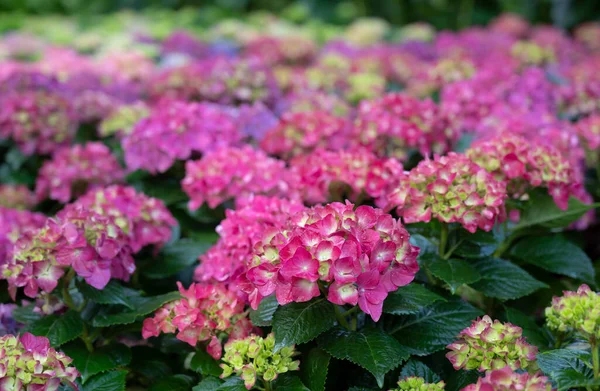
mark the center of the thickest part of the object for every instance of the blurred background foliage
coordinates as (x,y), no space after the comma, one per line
(443,14)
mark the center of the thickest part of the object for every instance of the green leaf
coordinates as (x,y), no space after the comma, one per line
(369,348)
(542,210)
(568,368)
(298,323)
(100,360)
(208,384)
(417,368)
(232,384)
(59,329)
(204,364)
(531,330)
(173,383)
(177,256)
(454,272)
(409,299)
(289,382)
(314,369)
(460,379)
(149,363)
(113,293)
(434,327)
(504,280)
(556,254)
(142,306)
(478,245)
(26,314)
(107,381)
(263,315)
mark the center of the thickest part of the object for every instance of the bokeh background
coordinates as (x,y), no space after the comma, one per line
(443,14)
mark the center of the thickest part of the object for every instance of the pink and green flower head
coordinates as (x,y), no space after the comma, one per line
(506,379)
(487,345)
(415,383)
(255,360)
(577,312)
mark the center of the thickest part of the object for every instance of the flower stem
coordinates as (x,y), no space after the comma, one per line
(267,386)
(443,240)
(341,318)
(65,290)
(85,337)
(595,359)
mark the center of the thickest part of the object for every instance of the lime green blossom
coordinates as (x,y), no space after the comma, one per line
(414,383)
(576,312)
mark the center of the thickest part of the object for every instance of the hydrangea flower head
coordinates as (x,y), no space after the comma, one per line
(16,196)
(239,232)
(92,245)
(415,383)
(15,223)
(29,363)
(38,121)
(360,255)
(303,132)
(523,164)
(487,345)
(231,172)
(255,359)
(506,379)
(576,312)
(205,313)
(323,174)
(451,189)
(72,171)
(588,130)
(145,220)
(176,129)
(122,120)
(531,54)
(397,122)
(313,100)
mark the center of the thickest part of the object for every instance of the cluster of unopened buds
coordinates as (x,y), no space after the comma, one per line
(145,220)
(28,363)
(176,129)
(206,313)
(228,173)
(239,232)
(38,121)
(94,246)
(72,171)
(451,189)
(323,175)
(415,383)
(487,345)
(356,256)
(255,359)
(524,164)
(16,196)
(506,379)
(577,312)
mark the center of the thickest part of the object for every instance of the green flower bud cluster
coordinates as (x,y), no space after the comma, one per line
(254,358)
(414,383)
(576,312)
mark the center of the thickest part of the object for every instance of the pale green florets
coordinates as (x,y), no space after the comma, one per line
(576,312)
(414,383)
(254,358)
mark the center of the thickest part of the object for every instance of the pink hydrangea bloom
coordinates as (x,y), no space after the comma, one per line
(39,122)
(292,50)
(511,24)
(313,100)
(302,132)
(29,363)
(145,220)
(15,223)
(451,189)
(506,379)
(523,163)
(174,130)
(487,345)
(205,313)
(231,172)
(358,256)
(16,196)
(72,171)
(92,245)
(239,232)
(398,122)
(588,130)
(323,174)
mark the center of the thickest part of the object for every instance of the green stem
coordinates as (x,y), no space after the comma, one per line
(65,290)
(504,246)
(87,340)
(268,386)
(353,323)
(350,311)
(341,318)
(452,249)
(443,239)
(595,359)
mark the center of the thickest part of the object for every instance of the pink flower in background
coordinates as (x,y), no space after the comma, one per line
(16,196)
(508,380)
